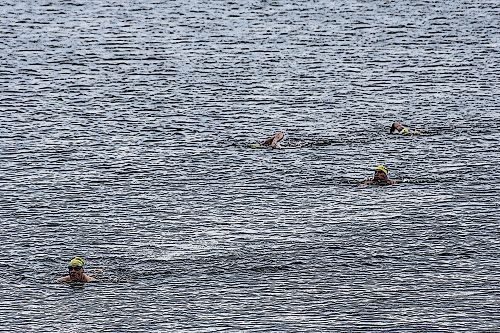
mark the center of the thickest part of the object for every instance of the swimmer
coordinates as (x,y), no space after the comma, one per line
(76,273)
(398,128)
(272,141)
(380,177)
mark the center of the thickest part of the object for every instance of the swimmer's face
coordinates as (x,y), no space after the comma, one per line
(379,176)
(76,273)
(398,126)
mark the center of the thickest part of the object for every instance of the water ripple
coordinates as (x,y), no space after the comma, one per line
(125,139)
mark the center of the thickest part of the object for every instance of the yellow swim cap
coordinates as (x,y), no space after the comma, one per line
(77,262)
(405,131)
(382,168)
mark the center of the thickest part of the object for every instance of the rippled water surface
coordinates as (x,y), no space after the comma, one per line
(125,128)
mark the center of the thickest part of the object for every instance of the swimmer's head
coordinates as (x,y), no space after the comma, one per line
(396,126)
(405,131)
(381,173)
(77,262)
(382,168)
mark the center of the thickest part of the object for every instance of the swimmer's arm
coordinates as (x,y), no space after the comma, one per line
(276,139)
(268,141)
(276,145)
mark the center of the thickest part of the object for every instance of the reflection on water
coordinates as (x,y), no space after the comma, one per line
(125,131)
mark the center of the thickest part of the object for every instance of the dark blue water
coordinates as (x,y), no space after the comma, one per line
(124,139)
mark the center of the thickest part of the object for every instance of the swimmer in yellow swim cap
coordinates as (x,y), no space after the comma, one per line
(381,177)
(398,128)
(76,272)
(272,141)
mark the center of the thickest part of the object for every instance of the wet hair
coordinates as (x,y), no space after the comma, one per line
(393,128)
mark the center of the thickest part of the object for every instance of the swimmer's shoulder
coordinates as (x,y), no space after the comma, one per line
(64,279)
(67,279)
(89,278)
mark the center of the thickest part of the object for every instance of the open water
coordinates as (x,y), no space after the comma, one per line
(124,139)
